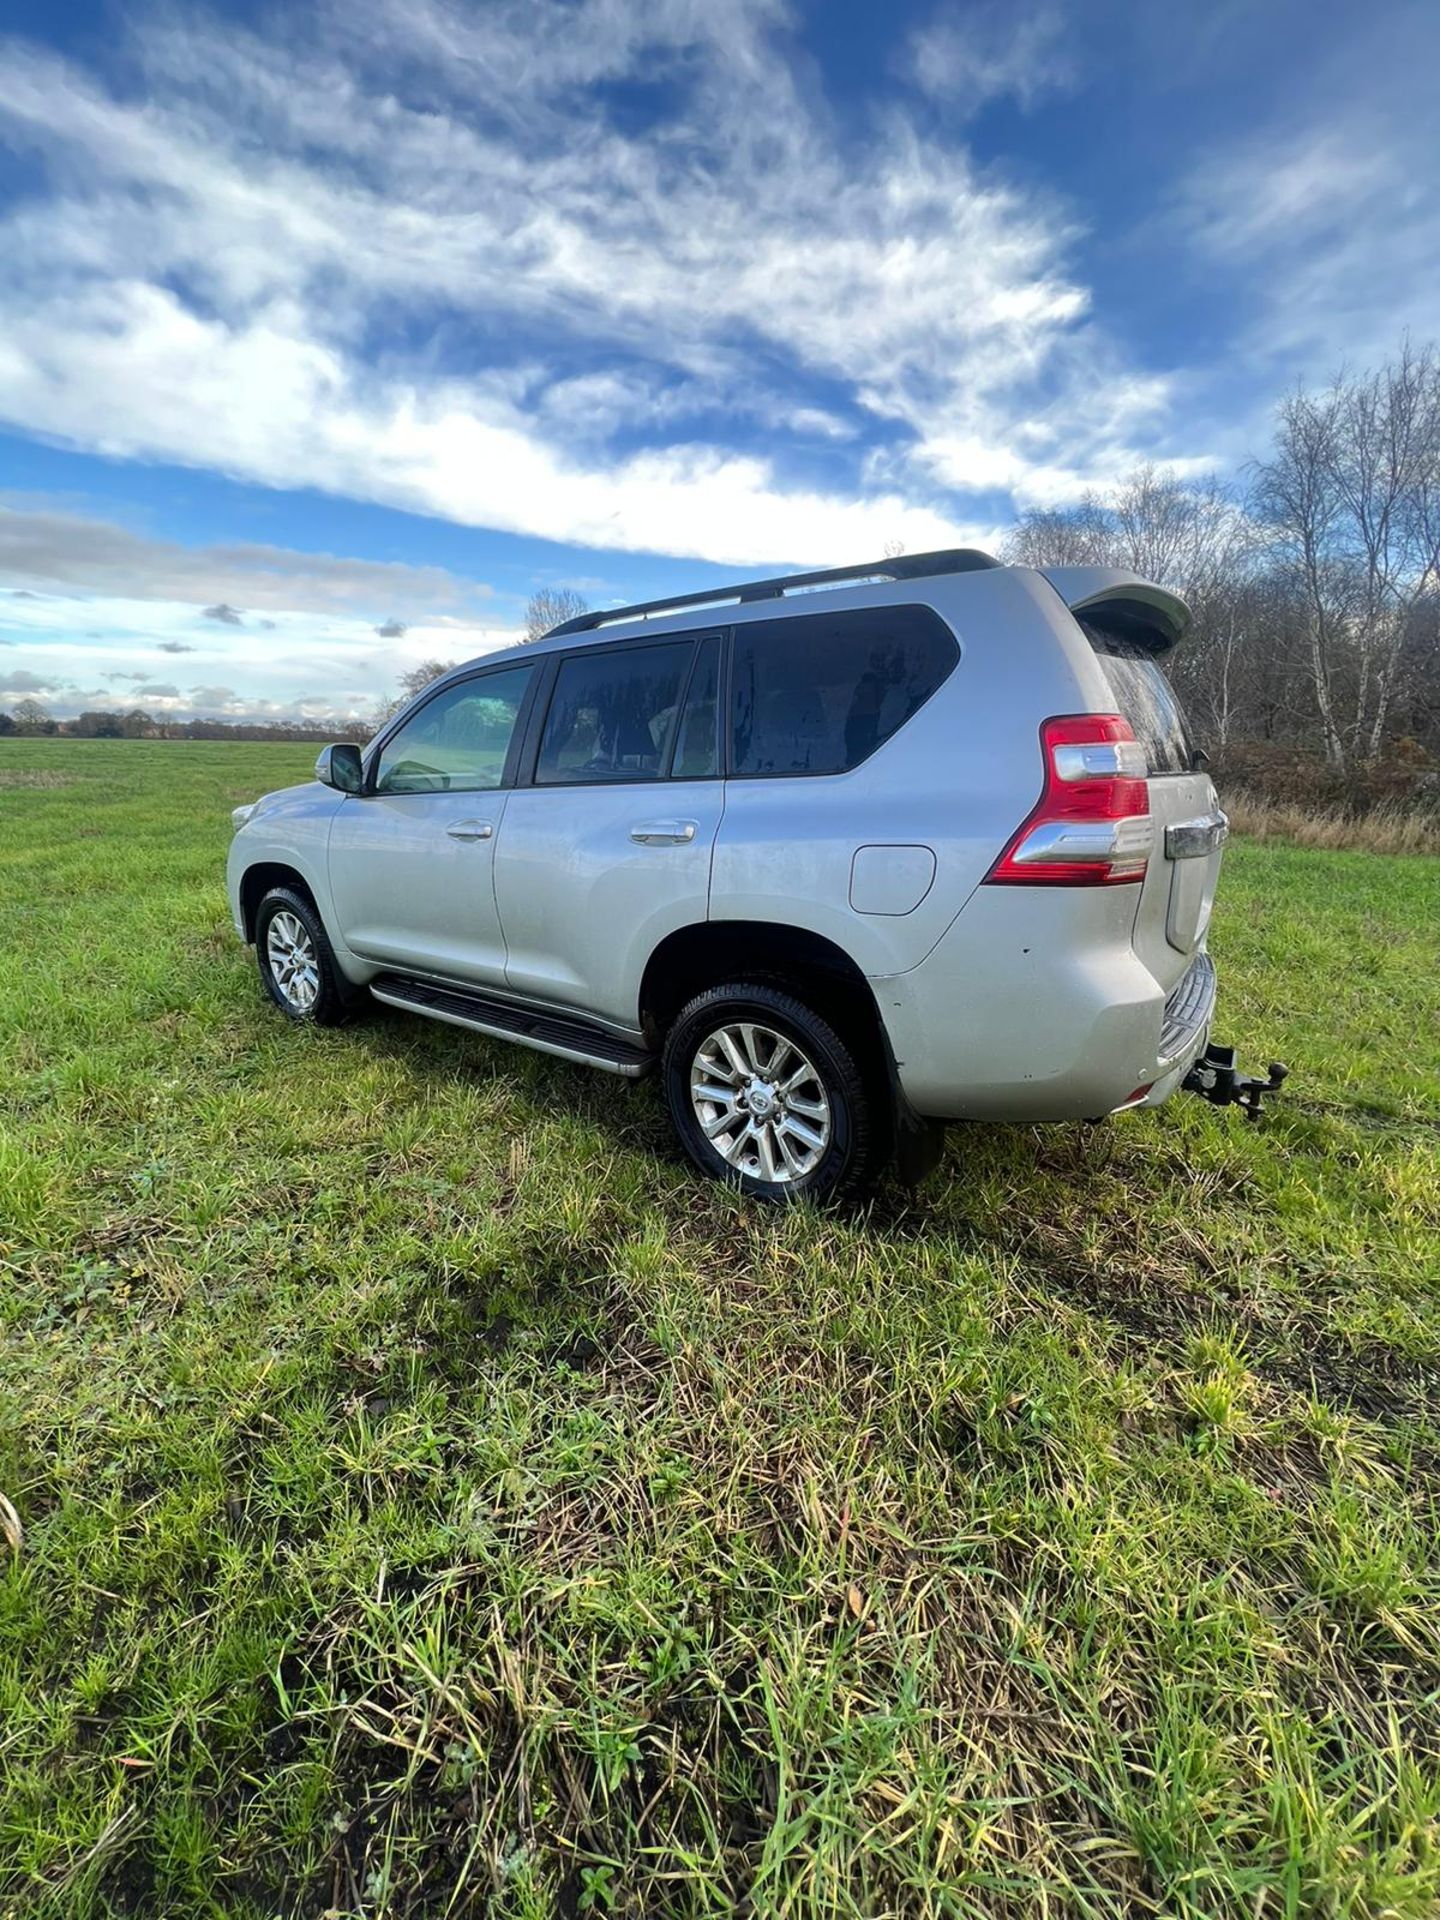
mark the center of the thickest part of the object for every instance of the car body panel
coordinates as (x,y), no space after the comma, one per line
(1137,604)
(1173,911)
(290,828)
(950,779)
(583,903)
(1034,1006)
(406,892)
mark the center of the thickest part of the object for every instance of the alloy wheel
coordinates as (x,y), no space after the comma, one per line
(761,1102)
(294,963)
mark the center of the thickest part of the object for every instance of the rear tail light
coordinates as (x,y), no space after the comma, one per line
(1091,825)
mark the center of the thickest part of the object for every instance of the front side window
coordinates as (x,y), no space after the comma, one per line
(819,693)
(612,714)
(457,742)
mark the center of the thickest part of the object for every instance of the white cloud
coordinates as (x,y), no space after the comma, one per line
(111,374)
(1325,220)
(967,56)
(21,682)
(75,651)
(72,552)
(215,260)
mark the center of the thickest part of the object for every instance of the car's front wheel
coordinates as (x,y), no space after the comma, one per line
(297,965)
(767,1096)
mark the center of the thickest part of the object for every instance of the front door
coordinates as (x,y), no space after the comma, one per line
(609,849)
(412,856)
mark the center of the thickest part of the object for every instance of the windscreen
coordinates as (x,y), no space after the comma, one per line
(1147,700)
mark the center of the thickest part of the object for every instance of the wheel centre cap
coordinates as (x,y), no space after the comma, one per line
(760,1096)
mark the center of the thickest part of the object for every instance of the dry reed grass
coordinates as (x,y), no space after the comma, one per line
(1383,829)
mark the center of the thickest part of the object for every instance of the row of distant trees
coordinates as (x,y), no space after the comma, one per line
(1315,585)
(33,719)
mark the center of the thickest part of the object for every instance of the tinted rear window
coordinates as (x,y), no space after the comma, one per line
(818,693)
(1147,700)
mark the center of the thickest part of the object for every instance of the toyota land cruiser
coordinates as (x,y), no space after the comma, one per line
(842,855)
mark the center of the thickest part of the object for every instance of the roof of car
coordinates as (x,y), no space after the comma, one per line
(1159,617)
(914,566)
(596,625)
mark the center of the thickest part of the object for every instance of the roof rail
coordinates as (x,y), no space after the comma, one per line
(904,566)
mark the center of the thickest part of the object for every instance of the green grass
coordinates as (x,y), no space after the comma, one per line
(437,1500)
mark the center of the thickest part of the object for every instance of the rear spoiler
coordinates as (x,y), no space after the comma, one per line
(1123,604)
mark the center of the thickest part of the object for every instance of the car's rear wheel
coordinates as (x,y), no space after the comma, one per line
(296,963)
(766,1095)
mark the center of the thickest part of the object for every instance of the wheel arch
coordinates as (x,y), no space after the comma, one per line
(711,952)
(257,881)
(814,969)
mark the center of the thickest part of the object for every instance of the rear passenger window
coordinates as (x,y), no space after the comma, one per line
(819,693)
(611,714)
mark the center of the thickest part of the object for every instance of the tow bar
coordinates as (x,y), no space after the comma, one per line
(1215,1077)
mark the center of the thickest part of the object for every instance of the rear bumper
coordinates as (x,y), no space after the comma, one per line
(1035,1006)
(1187,1012)
(1184,1031)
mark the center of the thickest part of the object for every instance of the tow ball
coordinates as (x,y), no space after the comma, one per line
(1215,1077)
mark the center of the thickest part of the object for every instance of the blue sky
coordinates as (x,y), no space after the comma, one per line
(330,332)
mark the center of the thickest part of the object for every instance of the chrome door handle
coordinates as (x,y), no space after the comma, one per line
(470,830)
(1195,839)
(663,833)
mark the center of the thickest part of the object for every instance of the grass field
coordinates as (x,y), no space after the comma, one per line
(437,1500)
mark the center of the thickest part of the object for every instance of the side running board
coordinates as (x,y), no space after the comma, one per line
(569,1039)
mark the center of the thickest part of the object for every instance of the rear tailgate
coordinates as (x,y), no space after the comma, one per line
(1131,625)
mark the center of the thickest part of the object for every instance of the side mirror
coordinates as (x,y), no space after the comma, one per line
(339,767)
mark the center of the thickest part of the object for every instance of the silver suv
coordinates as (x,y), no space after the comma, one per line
(844,855)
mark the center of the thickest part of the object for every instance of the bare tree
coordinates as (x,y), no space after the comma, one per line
(550,607)
(1295,492)
(418,678)
(1388,476)
(1196,537)
(1192,536)
(1078,536)
(32,717)
(411,683)
(1351,494)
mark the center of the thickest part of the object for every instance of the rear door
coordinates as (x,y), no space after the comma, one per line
(1179,887)
(606,843)
(845,809)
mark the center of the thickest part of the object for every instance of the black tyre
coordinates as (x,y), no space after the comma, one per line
(766,1096)
(296,961)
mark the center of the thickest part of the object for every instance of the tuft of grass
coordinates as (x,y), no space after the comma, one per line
(435,1500)
(1389,828)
